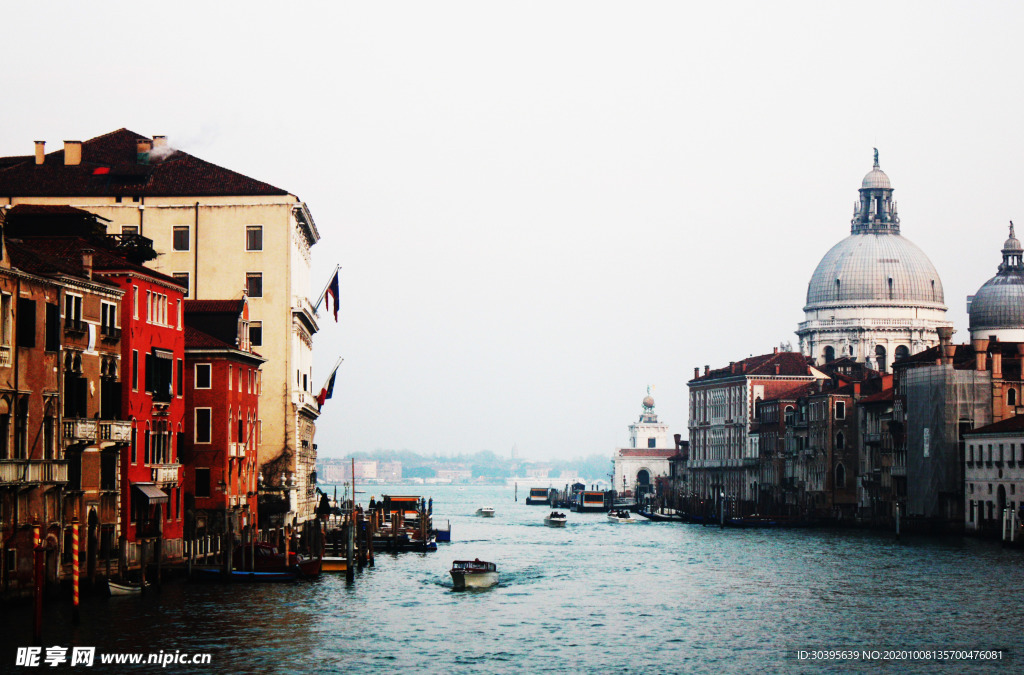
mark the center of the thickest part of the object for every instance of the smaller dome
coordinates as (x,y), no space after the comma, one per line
(876,179)
(648,402)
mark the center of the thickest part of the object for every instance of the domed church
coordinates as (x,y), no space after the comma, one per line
(875,297)
(997,310)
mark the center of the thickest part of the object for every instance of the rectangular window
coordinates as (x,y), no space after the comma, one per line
(241,430)
(202,482)
(254,284)
(53,327)
(147,448)
(180,242)
(135,445)
(181,377)
(840,410)
(203,430)
(182,279)
(26,323)
(256,333)
(253,237)
(135,302)
(5,319)
(108,321)
(230,377)
(135,370)
(203,376)
(129,229)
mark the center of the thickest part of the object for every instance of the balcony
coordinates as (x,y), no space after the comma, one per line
(75,327)
(111,333)
(22,471)
(80,430)
(116,431)
(165,473)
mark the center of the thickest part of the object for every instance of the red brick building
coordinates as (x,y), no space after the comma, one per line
(150,329)
(60,431)
(222,424)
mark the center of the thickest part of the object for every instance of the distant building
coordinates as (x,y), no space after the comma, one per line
(389,471)
(648,457)
(724,458)
(993,474)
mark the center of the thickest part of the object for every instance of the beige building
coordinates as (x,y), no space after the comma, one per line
(223,235)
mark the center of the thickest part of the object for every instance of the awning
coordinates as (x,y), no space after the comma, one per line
(163,354)
(151,493)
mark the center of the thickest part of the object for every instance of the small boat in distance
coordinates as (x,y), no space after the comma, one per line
(473,574)
(555,519)
(485,512)
(620,516)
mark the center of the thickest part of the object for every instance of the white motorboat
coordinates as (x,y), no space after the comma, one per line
(474,574)
(620,516)
(555,519)
(485,512)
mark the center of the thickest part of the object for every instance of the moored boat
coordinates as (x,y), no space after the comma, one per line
(555,519)
(620,516)
(474,574)
(485,512)
(443,533)
(334,564)
(127,588)
(538,496)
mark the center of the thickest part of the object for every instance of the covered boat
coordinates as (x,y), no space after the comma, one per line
(485,512)
(474,574)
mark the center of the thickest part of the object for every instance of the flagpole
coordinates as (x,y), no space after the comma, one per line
(323,293)
(333,371)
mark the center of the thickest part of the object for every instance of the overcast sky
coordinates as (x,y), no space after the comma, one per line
(541,208)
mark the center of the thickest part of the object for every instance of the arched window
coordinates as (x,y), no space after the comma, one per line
(840,476)
(5,428)
(880,357)
(830,354)
(901,353)
(840,441)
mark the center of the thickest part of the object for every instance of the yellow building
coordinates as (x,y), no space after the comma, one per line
(223,235)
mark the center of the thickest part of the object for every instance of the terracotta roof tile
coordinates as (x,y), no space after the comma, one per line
(790,364)
(1010,425)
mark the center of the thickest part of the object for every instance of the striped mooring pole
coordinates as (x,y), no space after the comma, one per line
(74,569)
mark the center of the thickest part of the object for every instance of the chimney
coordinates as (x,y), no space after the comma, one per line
(856,388)
(946,349)
(40,152)
(142,148)
(732,366)
(980,357)
(72,153)
(696,372)
(87,262)
(776,369)
(707,370)
(159,141)
(775,350)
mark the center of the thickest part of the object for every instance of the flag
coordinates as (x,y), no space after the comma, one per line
(327,391)
(334,292)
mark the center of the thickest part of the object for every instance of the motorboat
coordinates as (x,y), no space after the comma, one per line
(620,516)
(474,574)
(485,512)
(555,519)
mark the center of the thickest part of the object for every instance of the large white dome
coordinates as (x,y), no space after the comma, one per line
(874,269)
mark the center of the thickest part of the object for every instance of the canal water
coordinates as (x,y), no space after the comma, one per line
(594,597)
